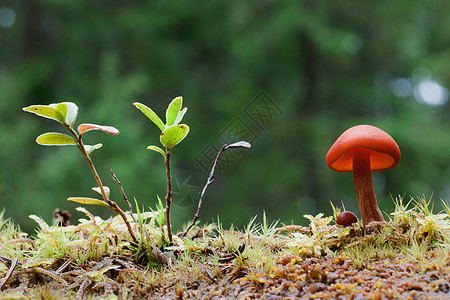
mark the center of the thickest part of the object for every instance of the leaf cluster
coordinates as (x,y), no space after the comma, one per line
(172,132)
(66,113)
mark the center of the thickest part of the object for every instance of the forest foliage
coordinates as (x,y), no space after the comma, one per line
(288,77)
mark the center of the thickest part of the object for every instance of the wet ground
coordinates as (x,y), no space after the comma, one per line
(324,278)
(291,277)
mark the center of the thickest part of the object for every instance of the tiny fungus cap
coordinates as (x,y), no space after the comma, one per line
(346,218)
(383,150)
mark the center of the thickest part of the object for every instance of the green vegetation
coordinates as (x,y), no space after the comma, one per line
(92,258)
(287,77)
(66,113)
(96,259)
(171,134)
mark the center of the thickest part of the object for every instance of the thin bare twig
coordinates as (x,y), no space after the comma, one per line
(123,193)
(51,274)
(241,144)
(7,261)
(10,271)
(63,266)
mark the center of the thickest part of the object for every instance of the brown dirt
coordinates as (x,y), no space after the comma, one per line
(324,278)
(291,278)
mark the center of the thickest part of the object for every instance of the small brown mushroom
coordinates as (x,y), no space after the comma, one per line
(346,218)
(363,149)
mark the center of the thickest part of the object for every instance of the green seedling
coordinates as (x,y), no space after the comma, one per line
(172,133)
(66,113)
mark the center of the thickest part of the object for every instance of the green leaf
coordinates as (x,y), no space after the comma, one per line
(89,149)
(72,113)
(157,149)
(107,190)
(88,127)
(46,112)
(173,110)
(150,114)
(55,139)
(61,107)
(69,111)
(86,200)
(173,135)
(180,116)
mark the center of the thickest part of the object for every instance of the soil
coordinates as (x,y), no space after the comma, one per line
(407,258)
(292,277)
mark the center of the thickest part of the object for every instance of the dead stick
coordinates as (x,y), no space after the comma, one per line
(123,194)
(10,271)
(211,180)
(63,266)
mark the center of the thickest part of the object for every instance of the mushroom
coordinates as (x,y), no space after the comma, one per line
(363,149)
(346,218)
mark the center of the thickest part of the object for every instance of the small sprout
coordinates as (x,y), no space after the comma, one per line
(172,133)
(66,114)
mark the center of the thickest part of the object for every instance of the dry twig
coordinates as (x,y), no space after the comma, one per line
(241,144)
(10,271)
(123,193)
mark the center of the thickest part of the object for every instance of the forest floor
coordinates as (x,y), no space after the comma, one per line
(408,257)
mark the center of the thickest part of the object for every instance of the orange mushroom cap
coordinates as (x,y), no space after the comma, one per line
(384,151)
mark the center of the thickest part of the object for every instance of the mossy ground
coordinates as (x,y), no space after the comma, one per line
(407,257)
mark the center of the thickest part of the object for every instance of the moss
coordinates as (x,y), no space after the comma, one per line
(408,255)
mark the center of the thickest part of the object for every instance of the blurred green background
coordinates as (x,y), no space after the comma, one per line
(288,76)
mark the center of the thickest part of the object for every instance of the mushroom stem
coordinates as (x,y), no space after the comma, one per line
(367,201)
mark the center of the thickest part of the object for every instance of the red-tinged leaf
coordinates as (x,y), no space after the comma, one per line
(88,127)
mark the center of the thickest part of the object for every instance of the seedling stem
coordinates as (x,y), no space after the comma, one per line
(169,194)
